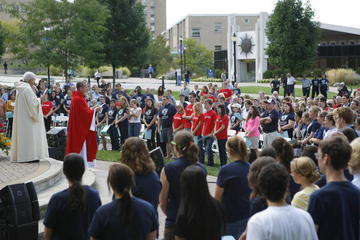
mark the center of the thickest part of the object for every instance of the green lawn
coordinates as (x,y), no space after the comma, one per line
(267,90)
(114,156)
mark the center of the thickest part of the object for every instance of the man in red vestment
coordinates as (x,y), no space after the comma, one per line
(81,127)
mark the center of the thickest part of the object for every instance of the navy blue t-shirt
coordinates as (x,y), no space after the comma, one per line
(273,126)
(322,181)
(166,115)
(121,112)
(67,224)
(284,120)
(108,225)
(335,208)
(148,187)
(173,172)
(312,127)
(324,83)
(319,134)
(140,98)
(101,113)
(112,115)
(315,83)
(233,179)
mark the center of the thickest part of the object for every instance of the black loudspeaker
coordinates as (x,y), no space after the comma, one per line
(57,153)
(57,137)
(158,158)
(19,212)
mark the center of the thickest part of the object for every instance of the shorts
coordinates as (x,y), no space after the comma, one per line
(166,135)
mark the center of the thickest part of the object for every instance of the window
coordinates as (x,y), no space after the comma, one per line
(195,32)
(246,20)
(217,47)
(218,27)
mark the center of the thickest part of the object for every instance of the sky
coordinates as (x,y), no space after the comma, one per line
(337,12)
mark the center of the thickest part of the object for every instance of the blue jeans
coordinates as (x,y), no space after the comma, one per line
(207,142)
(134,129)
(222,151)
(235,229)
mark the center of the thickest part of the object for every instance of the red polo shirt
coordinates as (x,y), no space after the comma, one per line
(227,92)
(219,122)
(198,119)
(46,107)
(209,122)
(188,111)
(178,120)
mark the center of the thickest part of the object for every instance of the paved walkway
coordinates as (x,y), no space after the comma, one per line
(12,173)
(131,83)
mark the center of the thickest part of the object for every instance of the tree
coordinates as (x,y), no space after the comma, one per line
(63,33)
(159,54)
(293,36)
(198,58)
(126,38)
(3,36)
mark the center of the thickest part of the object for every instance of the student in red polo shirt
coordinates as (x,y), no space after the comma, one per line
(226,91)
(207,133)
(197,124)
(189,111)
(178,121)
(221,129)
(47,109)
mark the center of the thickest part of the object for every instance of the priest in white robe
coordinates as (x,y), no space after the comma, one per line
(29,143)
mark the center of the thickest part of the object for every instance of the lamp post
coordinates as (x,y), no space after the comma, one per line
(234,42)
(181,59)
(185,59)
(47,29)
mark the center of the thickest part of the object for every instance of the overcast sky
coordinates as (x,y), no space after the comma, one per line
(337,12)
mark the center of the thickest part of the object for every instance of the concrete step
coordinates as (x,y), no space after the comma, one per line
(50,177)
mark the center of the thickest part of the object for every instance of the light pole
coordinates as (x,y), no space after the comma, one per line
(234,42)
(47,29)
(181,59)
(185,59)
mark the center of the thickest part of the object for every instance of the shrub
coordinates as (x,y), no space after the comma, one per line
(57,71)
(125,71)
(348,76)
(218,73)
(203,79)
(358,70)
(84,71)
(268,74)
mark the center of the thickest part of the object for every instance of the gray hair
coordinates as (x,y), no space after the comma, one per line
(29,76)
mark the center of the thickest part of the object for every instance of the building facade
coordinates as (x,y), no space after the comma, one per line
(245,35)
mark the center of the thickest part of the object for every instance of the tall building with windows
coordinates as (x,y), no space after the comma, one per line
(155,12)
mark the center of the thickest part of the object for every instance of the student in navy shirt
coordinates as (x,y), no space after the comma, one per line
(287,121)
(126,217)
(165,122)
(187,152)
(232,187)
(319,134)
(313,126)
(269,122)
(335,208)
(69,212)
(140,98)
(324,86)
(196,205)
(136,155)
(315,87)
(113,131)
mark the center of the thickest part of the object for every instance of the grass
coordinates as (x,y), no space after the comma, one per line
(114,156)
(267,90)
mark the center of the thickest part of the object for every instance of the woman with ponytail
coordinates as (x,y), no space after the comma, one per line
(285,154)
(69,212)
(232,188)
(187,154)
(126,217)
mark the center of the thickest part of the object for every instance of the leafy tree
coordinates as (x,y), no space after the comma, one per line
(293,36)
(63,33)
(198,58)
(127,37)
(159,55)
(3,36)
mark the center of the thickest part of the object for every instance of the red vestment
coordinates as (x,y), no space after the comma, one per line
(80,120)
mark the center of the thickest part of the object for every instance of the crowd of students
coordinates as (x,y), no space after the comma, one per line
(290,168)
